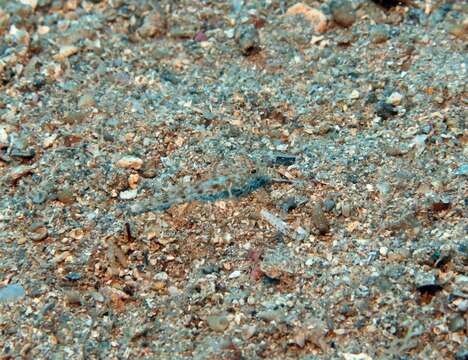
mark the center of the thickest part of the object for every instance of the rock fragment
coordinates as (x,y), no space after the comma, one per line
(153,25)
(3,138)
(319,220)
(130,162)
(39,234)
(379,34)
(65,52)
(19,171)
(394,99)
(128,194)
(248,39)
(218,322)
(317,18)
(342,12)
(66,196)
(11,293)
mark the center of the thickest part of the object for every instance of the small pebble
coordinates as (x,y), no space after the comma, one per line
(383,251)
(86,101)
(346,209)
(73,297)
(74,117)
(379,34)
(284,159)
(133,181)
(65,52)
(73,276)
(462,306)
(39,197)
(456,323)
(425,279)
(394,99)
(39,234)
(354,95)
(200,36)
(235,274)
(248,331)
(248,39)
(49,141)
(342,12)
(462,170)
(128,194)
(218,322)
(153,25)
(317,18)
(271,315)
(319,220)
(66,196)
(328,204)
(130,162)
(173,291)
(289,204)
(3,138)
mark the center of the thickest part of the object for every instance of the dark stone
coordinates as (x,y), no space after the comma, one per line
(27,154)
(360,323)
(387,4)
(270,281)
(371,98)
(430,289)
(38,83)
(210,269)
(129,290)
(285,160)
(73,276)
(353,178)
(384,110)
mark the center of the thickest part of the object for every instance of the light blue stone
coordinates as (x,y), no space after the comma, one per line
(462,170)
(11,293)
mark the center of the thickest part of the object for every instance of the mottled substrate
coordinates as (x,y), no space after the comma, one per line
(305,176)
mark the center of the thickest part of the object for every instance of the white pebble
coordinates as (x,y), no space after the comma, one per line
(128,194)
(235,274)
(383,251)
(395,99)
(354,95)
(3,138)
